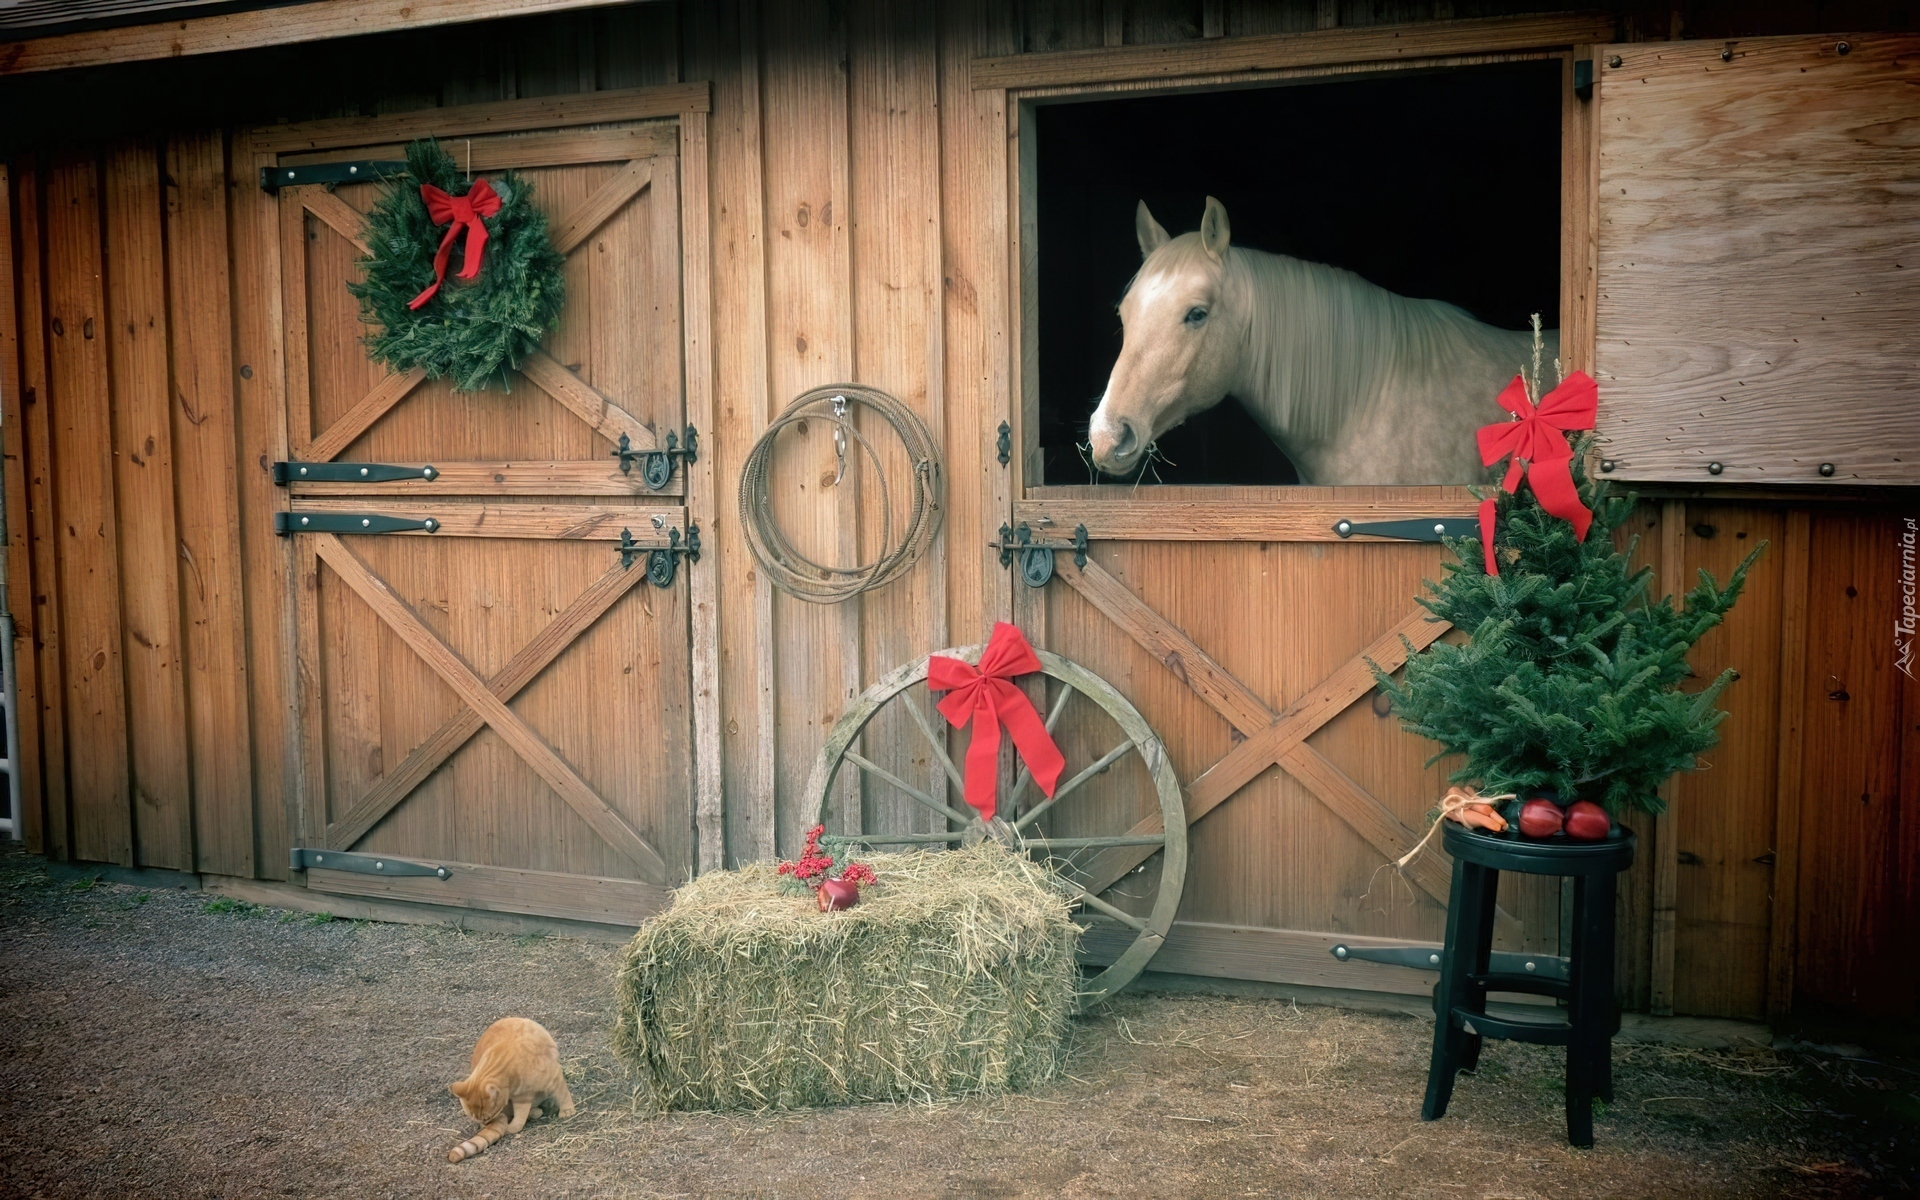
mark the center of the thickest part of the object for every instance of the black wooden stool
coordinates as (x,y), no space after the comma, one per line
(1460,1000)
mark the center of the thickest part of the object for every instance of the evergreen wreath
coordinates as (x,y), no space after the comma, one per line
(472,333)
(1571,678)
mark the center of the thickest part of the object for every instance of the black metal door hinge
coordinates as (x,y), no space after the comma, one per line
(1003,444)
(663,562)
(656,466)
(307,857)
(1035,559)
(1419,529)
(285,473)
(288,523)
(272,179)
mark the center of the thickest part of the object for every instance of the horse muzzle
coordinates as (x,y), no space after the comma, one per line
(1117,445)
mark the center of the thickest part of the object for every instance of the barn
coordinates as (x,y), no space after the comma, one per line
(274,605)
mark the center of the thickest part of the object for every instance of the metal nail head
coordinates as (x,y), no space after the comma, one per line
(659,522)
(366,522)
(363,472)
(1344,528)
(1606,464)
(303,520)
(1826,469)
(1440,528)
(1726,56)
(1614,62)
(1714,468)
(1844,47)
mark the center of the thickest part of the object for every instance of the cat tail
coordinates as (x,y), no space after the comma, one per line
(479,1141)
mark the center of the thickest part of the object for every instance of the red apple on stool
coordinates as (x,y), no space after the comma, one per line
(1541,818)
(1587,821)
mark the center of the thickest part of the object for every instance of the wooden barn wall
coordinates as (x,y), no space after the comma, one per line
(859,210)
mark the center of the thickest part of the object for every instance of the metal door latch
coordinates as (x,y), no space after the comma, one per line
(332,174)
(285,473)
(288,523)
(656,466)
(1419,529)
(1427,958)
(663,563)
(1035,559)
(307,857)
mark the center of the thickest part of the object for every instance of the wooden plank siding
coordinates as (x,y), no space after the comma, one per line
(848,208)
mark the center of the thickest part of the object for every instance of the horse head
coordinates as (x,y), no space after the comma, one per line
(1185,328)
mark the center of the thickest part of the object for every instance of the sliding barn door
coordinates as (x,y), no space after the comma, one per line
(1242,622)
(494,665)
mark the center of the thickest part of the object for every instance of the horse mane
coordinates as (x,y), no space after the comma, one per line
(1323,343)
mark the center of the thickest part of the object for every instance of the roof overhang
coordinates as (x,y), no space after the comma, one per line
(280,25)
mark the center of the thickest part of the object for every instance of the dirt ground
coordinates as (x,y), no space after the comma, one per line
(172,1043)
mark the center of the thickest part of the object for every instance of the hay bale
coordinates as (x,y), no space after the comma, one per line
(954,975)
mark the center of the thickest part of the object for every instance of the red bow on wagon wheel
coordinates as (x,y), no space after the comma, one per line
(1536,439)
(985,696)
(458,213)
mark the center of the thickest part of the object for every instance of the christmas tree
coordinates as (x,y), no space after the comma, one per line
(1571,678)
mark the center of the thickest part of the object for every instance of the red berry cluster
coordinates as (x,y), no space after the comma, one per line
(859,873)
(813,865)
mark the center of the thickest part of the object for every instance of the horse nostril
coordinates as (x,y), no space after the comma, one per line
(1128,439)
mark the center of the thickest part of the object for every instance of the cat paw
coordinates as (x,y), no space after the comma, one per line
(566,1110)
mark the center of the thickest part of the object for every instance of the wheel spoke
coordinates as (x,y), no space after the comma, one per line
(891,839)
(1066,789)
(1094,843)
(872,768)
(939,750)
(1119,914)
(1026,772)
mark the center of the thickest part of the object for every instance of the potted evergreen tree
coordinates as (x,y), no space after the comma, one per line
(1569,689)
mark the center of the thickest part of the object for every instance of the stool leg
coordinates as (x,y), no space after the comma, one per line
(1455,963)
(1600,900)
(1590,1005)
(1486,882)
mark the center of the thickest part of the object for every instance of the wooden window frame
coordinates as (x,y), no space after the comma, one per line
(1289,513)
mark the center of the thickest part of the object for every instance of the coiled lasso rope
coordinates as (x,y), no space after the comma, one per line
(818,583)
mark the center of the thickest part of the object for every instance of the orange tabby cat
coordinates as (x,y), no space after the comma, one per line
(515,1063)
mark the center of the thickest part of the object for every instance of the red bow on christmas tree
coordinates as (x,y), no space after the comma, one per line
(987,698)
(1537,443)
(458,213)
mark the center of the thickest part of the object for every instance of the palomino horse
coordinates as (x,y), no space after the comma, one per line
(1354,383)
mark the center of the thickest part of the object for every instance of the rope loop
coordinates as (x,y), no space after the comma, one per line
(786,566)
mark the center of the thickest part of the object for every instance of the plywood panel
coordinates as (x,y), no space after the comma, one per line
(1759,238)
(86,536)
(212,601)
(136,333)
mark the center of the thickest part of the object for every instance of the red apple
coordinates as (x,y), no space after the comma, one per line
(838,893)
(1587,821)
(1541,818)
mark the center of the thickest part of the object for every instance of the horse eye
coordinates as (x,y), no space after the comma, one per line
(1196,315)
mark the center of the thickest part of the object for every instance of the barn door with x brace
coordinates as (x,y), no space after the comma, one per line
(493,630)
(1242,621)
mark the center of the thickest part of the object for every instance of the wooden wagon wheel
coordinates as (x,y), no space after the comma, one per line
(1023,831)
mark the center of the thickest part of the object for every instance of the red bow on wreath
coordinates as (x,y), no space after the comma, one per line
(985,697)
(1536,440)
(458,213)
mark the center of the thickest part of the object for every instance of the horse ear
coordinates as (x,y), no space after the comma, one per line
(1214,232)
(1148,230)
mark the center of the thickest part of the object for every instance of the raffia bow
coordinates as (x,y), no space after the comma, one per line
(1466,806)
